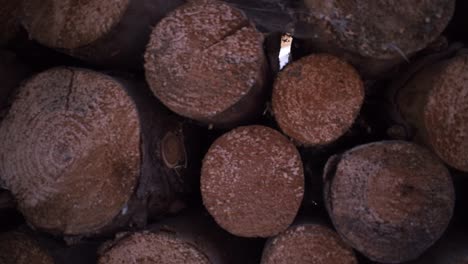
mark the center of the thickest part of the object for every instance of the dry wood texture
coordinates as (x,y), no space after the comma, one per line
(389,200)
(82,151)
(252,181)
(308,243)
(110,33)
(317,99)
(206,61)
(434,102)
(190,238)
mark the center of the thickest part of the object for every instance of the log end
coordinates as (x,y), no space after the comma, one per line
(308,243)
(71,24)
(71,150)
(147,247)
(252,181)
(215,61)
(446,114)
(390,200)
(317,99)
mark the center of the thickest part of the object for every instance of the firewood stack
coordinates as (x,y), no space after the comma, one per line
(158,131)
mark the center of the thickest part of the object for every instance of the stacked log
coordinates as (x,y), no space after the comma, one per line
(389,200)
(166,132)
(215,69)
(434,103)
(308,243)
(112,34)
(74,133)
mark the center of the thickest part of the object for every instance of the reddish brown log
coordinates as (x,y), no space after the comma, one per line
(187,239)
(252,181)
(108,33)
(308,243)
(317,99)
(206,61)
(84,153)
(434,102)
(389,200)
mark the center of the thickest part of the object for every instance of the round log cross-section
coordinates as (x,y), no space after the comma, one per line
(110,33)
(435,103)
(70,150)
(308,243)
(252,181)
(206,61)
(317,99)
(147,247)
(389,200)
(85,153)
(383,29)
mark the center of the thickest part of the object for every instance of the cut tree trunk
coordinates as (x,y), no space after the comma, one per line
(390,200)
(308,243)
(317,99)
(9,20)
(206,61)
(84,153)
(108,33)
(252,181)
(191,238)
(434,103)
(374,36)
(368,68)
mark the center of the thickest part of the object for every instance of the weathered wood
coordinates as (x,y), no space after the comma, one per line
(113,34)
(434,103)
(317,99)
(252,181)
(85,153)
(307,243)
(190,238)
(206,61)
(390,200)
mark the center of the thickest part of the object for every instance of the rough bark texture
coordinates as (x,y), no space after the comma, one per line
(200,50)
(308,243)
(252,181)
(389,200)
(190,238)
(317,99)
(434,103)
(84,153)
(113,34)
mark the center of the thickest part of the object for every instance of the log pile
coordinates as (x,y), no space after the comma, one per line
(152,131)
